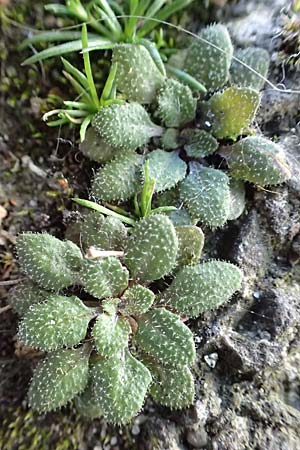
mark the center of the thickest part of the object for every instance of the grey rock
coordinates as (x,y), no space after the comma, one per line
(158,434)
(252,249)
(197,436)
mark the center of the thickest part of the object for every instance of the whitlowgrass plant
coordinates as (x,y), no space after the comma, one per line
(175,144)
(117,340)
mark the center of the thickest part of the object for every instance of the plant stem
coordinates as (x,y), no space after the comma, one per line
(103,210)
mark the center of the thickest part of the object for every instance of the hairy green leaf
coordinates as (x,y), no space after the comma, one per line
(202,287)
(111,334)
(173,387)
(256,58)
(176,104)
(164,336)
(191,242)
(138,78)
(208,58)
(205,191)
(167,168)
(231,112)
(25,294)
(119,179)
(105,233)
(58,378)
(237,199)
(200,143)
(58,322)
(120,383)
(104,278)
(258,160)
(125,126)
(49,262)
(95,148)
(137,300)
(151,249)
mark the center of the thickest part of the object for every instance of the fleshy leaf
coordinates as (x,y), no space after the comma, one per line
(137,300)
(258,59)
(200,143)
(49,262)
(237,199)
(191,241)
(172,387)
(138,78)
(151,249)
(95,148)
(104,278)
(58,322)
(170,139)
(87,404)
(180,217)
(119,179)
(120,383)
(210,64)
(125,126)
(105,233)
(258,160)
(166,338)
(205,191)
(111,334)
(167,168)
(176,104)
(202,287)
(231,112)
(58,378)
(24,295)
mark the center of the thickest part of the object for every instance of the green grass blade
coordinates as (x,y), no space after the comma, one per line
(111,30)
(163,14)
(88,68)
(79,76)
(57,10)
(110,13)
(108,90)
(68,47)
(57,123)
(155,7)
(187,79)
(77,105)
(53,36)
(84,126)
(155,55)
(78,88)
(103,210)
(131,21)
(142,7)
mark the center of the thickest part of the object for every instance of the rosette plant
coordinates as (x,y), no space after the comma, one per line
(118,338)
(175,143)
(179,146)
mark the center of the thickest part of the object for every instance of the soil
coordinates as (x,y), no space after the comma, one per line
(248,379)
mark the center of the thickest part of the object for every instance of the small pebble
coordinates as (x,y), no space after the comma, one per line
(211,360)
(135,430)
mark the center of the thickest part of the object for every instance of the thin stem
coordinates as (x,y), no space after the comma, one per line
(103,210)
(108,90)
(94,253)
(5,308)
(130,27)
(88,68)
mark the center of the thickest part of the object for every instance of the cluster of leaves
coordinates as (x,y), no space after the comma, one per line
(109,22)
(121,341)
(157,124)
(159,132)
